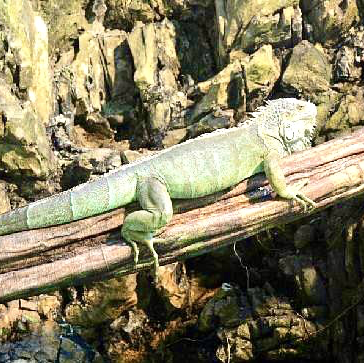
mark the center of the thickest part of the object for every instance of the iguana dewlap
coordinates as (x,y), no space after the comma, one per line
(210,163)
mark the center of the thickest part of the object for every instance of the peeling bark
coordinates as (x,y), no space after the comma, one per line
(37,261)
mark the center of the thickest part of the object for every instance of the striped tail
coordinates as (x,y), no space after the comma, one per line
(86,200)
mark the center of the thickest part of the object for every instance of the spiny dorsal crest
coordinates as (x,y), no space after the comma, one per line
(271,116)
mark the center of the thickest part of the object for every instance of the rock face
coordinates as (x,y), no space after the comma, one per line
(258,323)
(157,67)
(308,70)
(25,92)
(262,22)
(26,48)
(326,20)
(88,86)
(24,148)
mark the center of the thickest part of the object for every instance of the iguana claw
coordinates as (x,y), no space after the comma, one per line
(149,244)
(300,197)
(304,201)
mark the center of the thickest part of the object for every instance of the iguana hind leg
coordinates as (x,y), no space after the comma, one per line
(277,180)
(140,226)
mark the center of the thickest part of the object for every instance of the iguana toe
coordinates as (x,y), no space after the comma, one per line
(307,201)
(301,202)
(135,248)
(149,244)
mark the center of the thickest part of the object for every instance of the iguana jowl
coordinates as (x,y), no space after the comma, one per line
(198,167)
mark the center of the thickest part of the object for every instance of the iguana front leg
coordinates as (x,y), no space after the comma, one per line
(140,226)
(276,178)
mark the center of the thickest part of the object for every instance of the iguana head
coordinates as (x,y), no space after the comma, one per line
(290,121)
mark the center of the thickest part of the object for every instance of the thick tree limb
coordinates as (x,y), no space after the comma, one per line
(41,260)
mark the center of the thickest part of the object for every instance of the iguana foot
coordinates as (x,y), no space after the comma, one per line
(147,239)
(304,201)
(141,225)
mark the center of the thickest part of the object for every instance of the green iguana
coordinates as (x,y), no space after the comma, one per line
(201,166)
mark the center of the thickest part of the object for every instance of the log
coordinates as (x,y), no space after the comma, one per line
(38,261)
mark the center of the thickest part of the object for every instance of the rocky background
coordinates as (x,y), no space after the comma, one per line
(89,85)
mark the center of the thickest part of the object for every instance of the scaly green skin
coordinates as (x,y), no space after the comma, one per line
(198,167)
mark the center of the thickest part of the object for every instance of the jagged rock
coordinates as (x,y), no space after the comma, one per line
(74,349)
(360,320)
(228,308)
(307,278)
(239,348)
(329,19)
(23,315)
(95,123)
(4,199)
(26,94)
(278,29)
(173,288)
(350,56)
(119,73)
(25,37)
(99,9)
(66,19)
(131,323)
(315,313)
(346,67)
(129,156)
(153,47)
(304,235)
(49,306)
(326,103)
(103,302)
(24,147)
(62,130)
(224,76)
(219,119)
(87,75)
(9,315)
(224,91)
(258,324)
(262,70)
(98,77)
(124,14)
(278,330)
(96,161)
(101,160)
(30,318)
(174,137)
(49,344)
(194,50)
(349,111)
(246,77)
(28,305)
(308,71)
(233,16)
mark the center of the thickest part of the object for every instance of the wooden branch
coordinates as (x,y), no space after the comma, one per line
(38,261)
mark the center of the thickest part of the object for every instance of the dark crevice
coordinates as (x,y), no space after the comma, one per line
(344,5)
(4,120)
(16,75)
(76,47)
